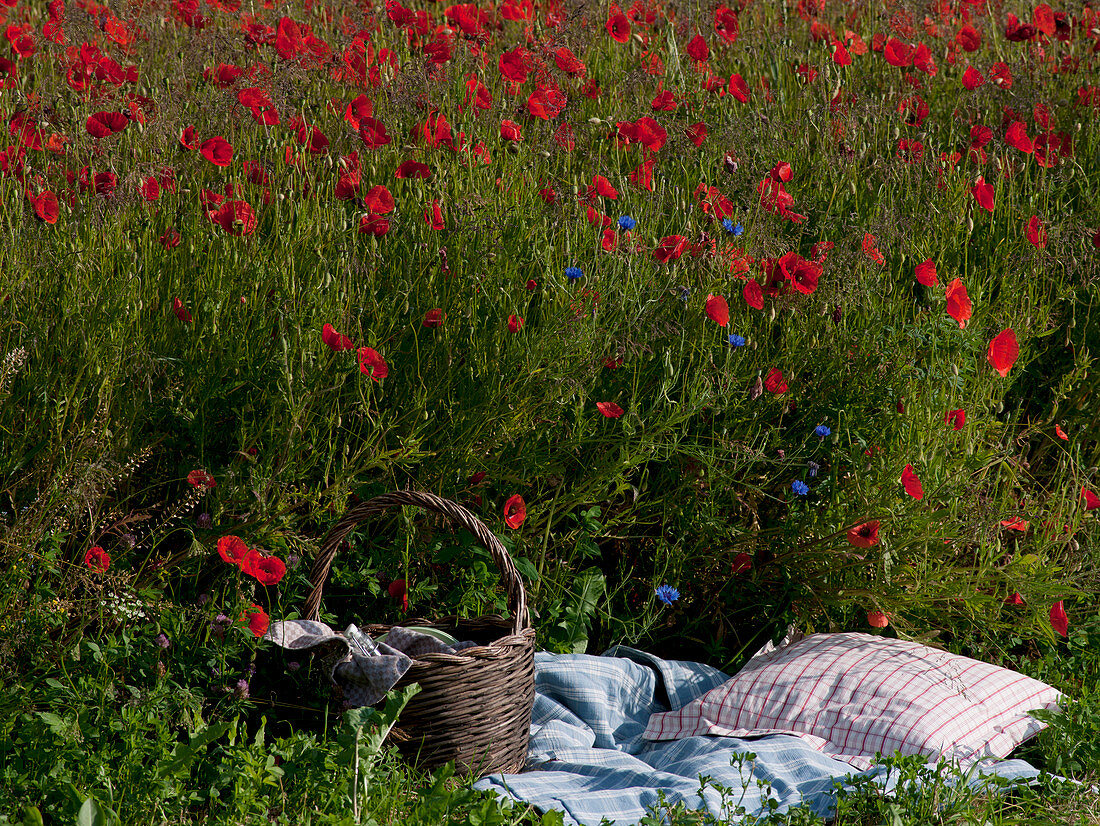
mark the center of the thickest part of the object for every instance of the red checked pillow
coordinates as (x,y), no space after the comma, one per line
(855,695)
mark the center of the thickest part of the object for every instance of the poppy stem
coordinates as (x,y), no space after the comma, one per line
(546,538)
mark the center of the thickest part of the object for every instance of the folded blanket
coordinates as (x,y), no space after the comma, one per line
(588,756)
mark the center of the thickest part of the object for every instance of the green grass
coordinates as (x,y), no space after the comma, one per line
(108,400)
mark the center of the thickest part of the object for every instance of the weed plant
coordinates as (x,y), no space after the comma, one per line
(788,306)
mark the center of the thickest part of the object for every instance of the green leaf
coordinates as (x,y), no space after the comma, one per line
(32,817)
(179,762)
(571,633)
(92,814)
(56,724)
(527,569)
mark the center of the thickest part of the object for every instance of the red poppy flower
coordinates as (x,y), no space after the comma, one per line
(372,363)
(1016,136)
(150,189)
(335,340)
(911,483)
(398,589)
(618,26)
(968,38)
(510,131)
(515,511)
(642,177)
(515,324)
(232,549)
(956,418)
(803,275)
(433,318)
(738,88)
(841,57)
(373,133)
(433,216)
(1000,74)
(774,381)
(564,137)
(897,53)
(1060,433)
(97,559)
(267,570)
(601,186)
(753,294)
(187,138)
(718,310)
(181,312)
(1016,524)
(45,206)
(1014,599)
(609,409)
(546,102)
(865,535)
(170,239)
(515,65)
(235,217)
(1003,351)
(374,225)
(958,302)
(983,194)
(1058,619)
(217,150)
(105,183)
(1036,232)
(413,169)
(201,479)
(741,563)
(1092,501)
(670,248)
(257,619)
(870,250)
(568,62)
(105,124)
(378,200)
(926,273)
(877,619)
(697,48)
(696,133)
(972,78)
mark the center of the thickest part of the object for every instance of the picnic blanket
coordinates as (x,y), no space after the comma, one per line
(588,758)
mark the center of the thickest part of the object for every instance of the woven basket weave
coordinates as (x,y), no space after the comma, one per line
(474,707)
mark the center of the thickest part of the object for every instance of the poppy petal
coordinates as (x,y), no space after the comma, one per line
(1003,351)
(911,483)
(1058,619)
(718,310)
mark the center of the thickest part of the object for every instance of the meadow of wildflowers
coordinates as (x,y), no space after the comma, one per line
(722,316)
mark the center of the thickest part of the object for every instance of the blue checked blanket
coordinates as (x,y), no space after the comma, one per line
(588,759)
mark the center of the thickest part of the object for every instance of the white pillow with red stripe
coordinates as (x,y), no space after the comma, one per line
(855,695)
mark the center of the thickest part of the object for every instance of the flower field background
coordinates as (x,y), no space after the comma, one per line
(722,317)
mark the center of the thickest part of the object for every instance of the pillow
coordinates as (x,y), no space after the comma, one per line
(855,695)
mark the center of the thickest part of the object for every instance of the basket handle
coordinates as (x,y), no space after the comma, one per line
(517,597)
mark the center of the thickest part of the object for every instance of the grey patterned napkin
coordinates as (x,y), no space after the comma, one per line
(363,668)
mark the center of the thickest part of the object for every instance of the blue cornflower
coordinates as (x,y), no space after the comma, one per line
(736,340)
(573,273)
(800,487)
(626,223)
(667,594)
(822,430)
(732,228)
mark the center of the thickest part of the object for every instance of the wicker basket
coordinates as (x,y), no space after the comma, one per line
(474,707)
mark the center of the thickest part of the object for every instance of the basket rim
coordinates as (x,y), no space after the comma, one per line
(457,515)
